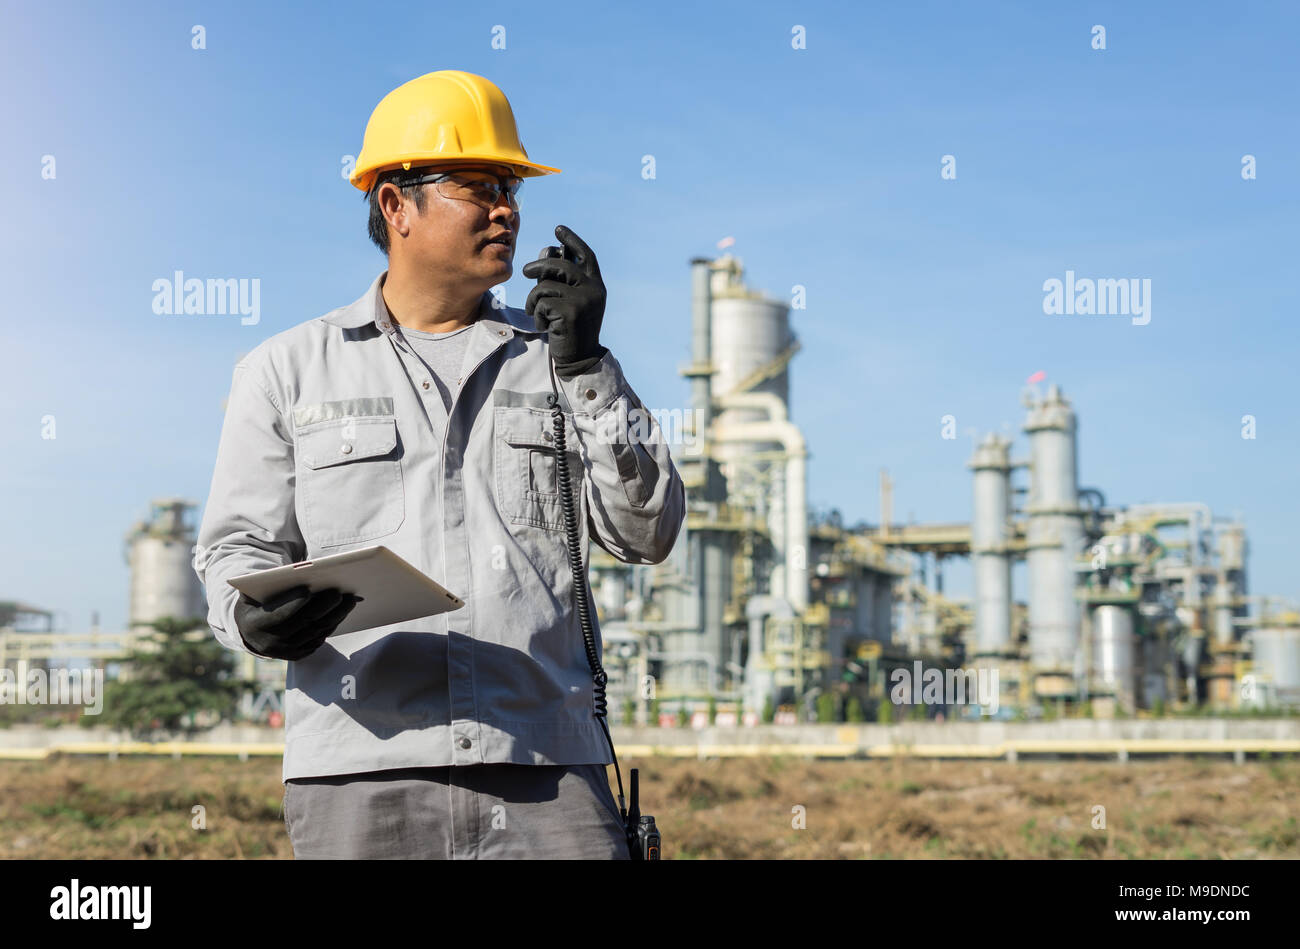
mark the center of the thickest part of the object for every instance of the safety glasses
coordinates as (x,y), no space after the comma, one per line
(481,187)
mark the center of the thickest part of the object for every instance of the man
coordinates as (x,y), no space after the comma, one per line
(417,418)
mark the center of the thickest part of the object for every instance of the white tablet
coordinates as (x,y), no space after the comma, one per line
(393,591)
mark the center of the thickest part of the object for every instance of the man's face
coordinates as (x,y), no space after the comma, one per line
(452,235)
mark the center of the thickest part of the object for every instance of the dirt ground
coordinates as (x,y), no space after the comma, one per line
(767,808)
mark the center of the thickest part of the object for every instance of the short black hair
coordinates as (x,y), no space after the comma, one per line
(378,227)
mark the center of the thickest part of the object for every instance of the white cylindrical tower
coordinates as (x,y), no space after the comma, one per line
(1054,535)
(160,551)
(990,535)
(1113,666)
(750,336)
(1275,659)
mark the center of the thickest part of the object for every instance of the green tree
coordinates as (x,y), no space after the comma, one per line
(683,717)
(629,711)
(713,710)
(825,708)
(654,712)
(885,712)
(769,711)
(853,711)
(187,672)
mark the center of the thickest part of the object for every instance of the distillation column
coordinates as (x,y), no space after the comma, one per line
(990,537)
(1055,537)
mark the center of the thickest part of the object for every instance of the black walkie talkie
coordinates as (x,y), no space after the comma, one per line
(642,834)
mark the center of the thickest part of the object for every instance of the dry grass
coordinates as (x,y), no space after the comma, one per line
(730,808)
(745,808)
(141,808)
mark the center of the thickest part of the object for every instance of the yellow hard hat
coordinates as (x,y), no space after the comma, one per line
(447,115)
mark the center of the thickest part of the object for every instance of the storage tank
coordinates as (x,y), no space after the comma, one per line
(159,551)
(611,591)
(1054,534)
(1276,664)
(990,533)
(749,333)
(1113,656)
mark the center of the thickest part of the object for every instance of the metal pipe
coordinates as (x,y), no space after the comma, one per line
(795,553)
(780,512)
(769,402)
(759,683)
(1197,514)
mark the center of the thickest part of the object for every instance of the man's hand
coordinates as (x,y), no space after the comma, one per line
(568,303)
(292,624)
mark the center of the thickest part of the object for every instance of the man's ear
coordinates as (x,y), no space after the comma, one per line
(392,207)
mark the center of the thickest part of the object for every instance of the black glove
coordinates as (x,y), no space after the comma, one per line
(568,303)
(292,624)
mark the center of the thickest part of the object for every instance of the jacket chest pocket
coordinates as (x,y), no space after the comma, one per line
(349,480)
(527,477)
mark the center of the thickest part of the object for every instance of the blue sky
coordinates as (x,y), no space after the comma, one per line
(924,295)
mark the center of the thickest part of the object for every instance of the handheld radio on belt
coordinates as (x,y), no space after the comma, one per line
(643,841)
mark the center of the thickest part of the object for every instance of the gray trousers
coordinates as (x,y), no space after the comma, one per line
(470,812)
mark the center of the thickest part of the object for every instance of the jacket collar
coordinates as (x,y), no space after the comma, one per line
(370,310)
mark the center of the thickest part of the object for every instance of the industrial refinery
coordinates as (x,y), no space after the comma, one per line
(762,611)
(1125,607)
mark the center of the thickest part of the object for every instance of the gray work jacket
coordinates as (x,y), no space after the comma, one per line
(336,437)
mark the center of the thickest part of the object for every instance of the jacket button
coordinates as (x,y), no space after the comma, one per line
(501,332)
(425,383)
(590,393)
(346,449)
(464,742)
